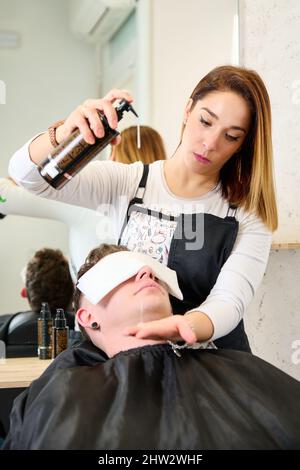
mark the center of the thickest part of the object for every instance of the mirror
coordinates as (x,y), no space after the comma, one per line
(50,64)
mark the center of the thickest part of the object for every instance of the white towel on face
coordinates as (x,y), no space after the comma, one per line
(116,268)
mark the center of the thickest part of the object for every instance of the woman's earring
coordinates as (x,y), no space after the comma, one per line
(95,326)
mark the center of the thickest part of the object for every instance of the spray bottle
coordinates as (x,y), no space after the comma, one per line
(74,153)
(45,332)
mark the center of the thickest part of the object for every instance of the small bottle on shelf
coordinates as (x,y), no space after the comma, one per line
(60,333)
(45,332)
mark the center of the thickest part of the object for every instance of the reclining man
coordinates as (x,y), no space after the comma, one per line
(126,386)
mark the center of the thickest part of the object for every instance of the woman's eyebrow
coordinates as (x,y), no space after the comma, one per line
(238,128)
(211,113)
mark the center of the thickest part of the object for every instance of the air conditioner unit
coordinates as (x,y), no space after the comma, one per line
(97,20)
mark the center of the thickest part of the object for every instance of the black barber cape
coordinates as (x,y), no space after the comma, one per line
(148,398)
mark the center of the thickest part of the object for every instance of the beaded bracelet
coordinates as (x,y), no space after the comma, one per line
(52,132)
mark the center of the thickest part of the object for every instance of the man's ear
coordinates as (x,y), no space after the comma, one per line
(24,293)
(84,318)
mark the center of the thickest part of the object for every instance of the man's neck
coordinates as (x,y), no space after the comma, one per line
(117,343)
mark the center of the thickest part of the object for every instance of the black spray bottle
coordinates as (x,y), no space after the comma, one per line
(73,153)
(60,333)
(45,332)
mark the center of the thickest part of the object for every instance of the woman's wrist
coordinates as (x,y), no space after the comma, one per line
(39,148)
(52,130)
(201,324)
(60,133)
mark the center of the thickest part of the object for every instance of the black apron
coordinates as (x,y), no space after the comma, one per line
(197,269)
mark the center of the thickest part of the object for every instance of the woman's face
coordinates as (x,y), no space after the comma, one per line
(215,129)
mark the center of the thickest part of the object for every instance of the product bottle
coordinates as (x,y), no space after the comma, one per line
(45,332)
(60,333)
(73,153)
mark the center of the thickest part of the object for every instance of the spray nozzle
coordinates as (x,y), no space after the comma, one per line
(45,311)
(60,319)
(124,105)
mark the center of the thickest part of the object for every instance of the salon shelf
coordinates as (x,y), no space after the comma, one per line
(21,371)
(285,246)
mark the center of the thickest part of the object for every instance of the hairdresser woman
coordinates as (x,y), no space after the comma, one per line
(207,212)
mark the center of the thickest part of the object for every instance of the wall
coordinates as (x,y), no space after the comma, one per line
(178,43)
(46,77)
(270,44)
(273,319)
(189,39)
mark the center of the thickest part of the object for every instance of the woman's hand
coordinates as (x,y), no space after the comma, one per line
(173,328)
(86,118)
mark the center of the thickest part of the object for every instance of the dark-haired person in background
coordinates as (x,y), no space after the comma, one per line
(47,278)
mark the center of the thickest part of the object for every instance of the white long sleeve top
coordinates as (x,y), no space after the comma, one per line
(87,228)
(110,186)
